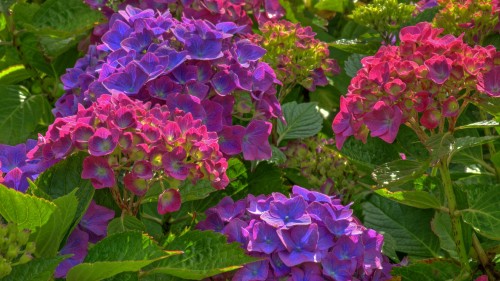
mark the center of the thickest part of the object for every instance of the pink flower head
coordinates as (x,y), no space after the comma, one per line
(169,201)
(451,107)
(490,82)
(439,69)
(431,118)
(384,121)
(98,170)
(135,184)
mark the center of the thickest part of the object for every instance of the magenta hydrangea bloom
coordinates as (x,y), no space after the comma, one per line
(419,83)
(135,143)
(308,247)
(169,201)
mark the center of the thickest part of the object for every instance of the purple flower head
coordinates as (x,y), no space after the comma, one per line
(77,245)
(301,243)
(263,238)
(129,82)
(153,57)
(103,142)
(247,52)
(337,269)
(231,139)
(288,213)
(301,251)
(95,221)
(253,271)
(174,165)
(234,231)
(255,141)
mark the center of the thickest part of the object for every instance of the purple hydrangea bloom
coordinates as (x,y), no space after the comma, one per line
(294,238)
(193,65)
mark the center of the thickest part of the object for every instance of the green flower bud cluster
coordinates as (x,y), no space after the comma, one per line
(14,247)
(384,16)
(476,19)
(295,55)
(323,166)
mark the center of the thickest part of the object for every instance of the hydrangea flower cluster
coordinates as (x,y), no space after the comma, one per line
(238,11)
(310,236)
(135,143)
(384,16)
(423,82)
(295,55)
(192,65)
(323,166)
(14,247)
(16,168)
(91,229)
(475,18)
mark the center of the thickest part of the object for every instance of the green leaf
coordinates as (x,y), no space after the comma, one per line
(206,253)
(366,156)
(353,64)
(302,120)
(14,74)
(429,270)
(50,236)
(266,179)
(481,124)
(332,5)
(442,145)
(20,113)
(398,172)
(417,199)
(27,211)
(121,252)
(63,177)
(200,190)
(355,46)
(413,234)
(441,225)
(426,15)
(125,223)
(484,212)
(278,157)
(35,270)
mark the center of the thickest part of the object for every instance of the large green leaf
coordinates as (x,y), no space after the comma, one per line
(35,270)
(20,113)
(29,212)
(59,24)
(429,270)
(302,120)
(206,253)
(484,212)
(417,199)
(125,223)
(266,179)
(446,145)
(410,227)
(398,172)
(50,236)
(63,177)
(121,252)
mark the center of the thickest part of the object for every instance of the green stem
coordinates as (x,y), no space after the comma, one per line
(483,258)
(456,222)
(491,145)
